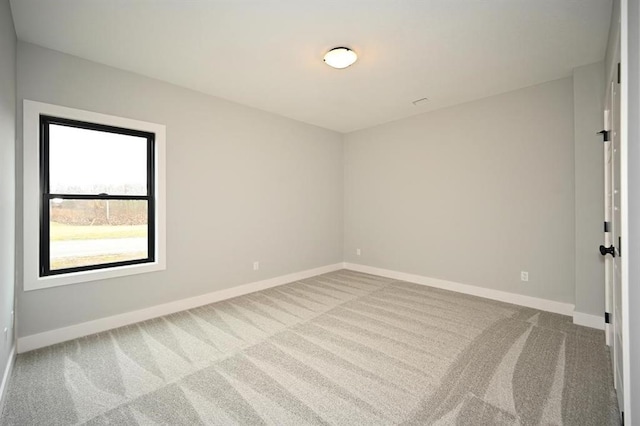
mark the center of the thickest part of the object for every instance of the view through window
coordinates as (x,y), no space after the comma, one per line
(97,188)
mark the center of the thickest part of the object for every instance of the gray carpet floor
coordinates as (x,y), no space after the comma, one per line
(340,348)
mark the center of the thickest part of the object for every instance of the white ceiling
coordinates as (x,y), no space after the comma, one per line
(268,54)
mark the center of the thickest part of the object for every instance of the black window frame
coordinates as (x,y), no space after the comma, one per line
(46,196)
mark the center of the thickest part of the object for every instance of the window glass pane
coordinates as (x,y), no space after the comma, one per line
(94,232)
(85,161)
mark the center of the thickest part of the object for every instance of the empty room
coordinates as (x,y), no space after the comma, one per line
(319,212)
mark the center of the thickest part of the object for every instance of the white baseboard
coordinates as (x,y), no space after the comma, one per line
(487,293)
(51,337)
(6,376)
(588,320)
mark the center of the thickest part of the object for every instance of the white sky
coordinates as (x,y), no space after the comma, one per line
(93,160)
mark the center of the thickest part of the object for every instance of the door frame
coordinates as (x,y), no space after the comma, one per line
(620,53)
(624,200)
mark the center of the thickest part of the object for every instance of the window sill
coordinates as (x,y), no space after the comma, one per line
(38,283)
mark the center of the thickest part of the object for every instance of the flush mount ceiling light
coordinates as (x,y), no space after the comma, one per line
(340,57)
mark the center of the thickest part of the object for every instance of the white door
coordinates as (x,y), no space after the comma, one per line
(611,247)
(608,214)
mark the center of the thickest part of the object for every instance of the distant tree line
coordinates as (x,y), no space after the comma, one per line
(99,212)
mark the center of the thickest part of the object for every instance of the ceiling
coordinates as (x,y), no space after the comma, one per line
(268,53)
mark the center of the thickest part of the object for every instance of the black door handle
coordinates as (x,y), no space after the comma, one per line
(608,250)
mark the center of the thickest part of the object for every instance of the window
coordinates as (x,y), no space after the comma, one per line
(94,189)
(97,203)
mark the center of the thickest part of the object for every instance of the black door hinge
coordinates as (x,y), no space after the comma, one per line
(618,72)
(619,246)
(605,135)
(607,227)
(607,320)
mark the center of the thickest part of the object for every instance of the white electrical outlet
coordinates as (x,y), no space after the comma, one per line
(358,252)
(524,276)
(256,265)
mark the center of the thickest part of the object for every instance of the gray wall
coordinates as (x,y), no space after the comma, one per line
(473,194)
(588,101)
(242,185)
(633,259)
(7,177)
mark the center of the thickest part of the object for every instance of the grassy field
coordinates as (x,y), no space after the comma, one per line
(72,262)
(61,232)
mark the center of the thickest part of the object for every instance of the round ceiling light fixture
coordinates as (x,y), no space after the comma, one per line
(340,57)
